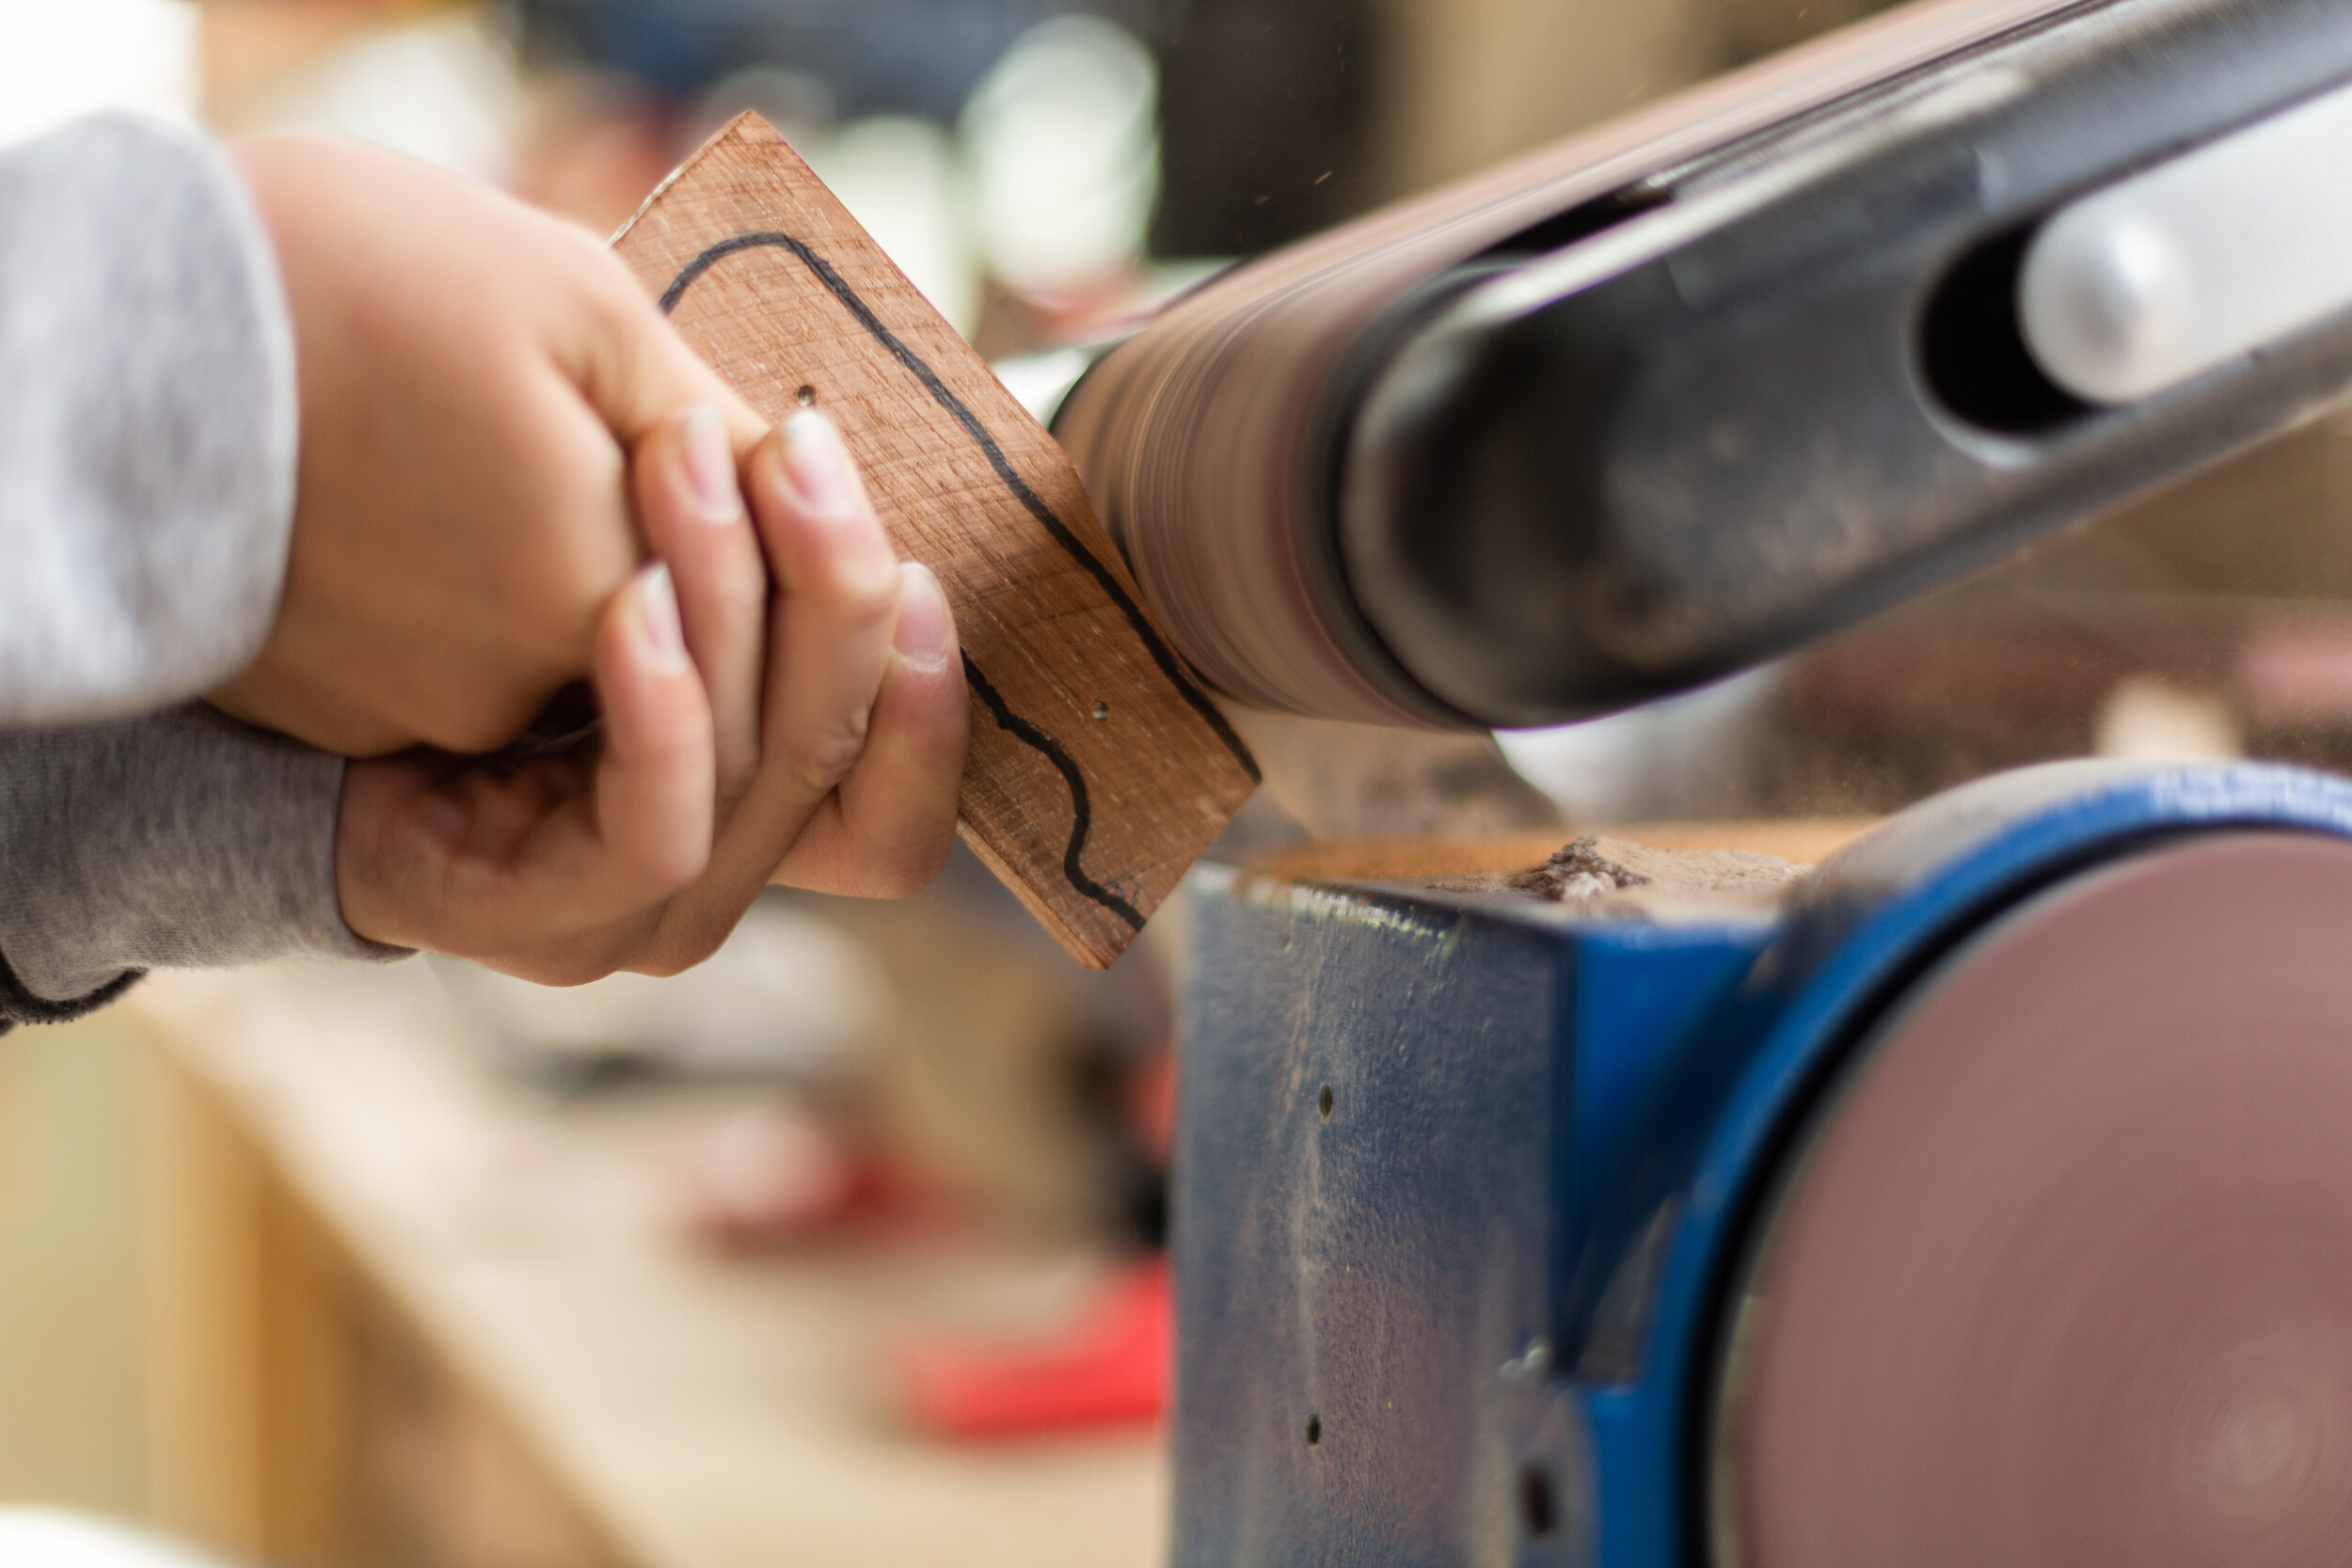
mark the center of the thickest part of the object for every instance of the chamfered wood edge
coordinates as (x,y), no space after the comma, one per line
(1804,840)
(1095,955)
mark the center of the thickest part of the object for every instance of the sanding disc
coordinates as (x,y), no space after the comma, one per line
(2061,1273)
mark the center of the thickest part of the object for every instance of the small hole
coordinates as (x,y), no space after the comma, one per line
(1974,352)
(1314,1431)
(1101,710)
(805,397)
(1322,1101)
(1536,1500)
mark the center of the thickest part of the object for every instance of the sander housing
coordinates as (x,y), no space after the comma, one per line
(1988,1200)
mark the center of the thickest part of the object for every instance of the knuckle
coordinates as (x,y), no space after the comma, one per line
(826,757)
(581,508)
(726,588)
(868,584)
(744,588)
(618,946)
(667,961)
(573,549)
(689,945)
(606,285)
(848,561)
(562,970)
(666,866)
(906,874)
(675,871)
(857,589)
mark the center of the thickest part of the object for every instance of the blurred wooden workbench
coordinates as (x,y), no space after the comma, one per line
(404,1314)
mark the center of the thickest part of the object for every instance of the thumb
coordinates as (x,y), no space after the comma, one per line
(637,373)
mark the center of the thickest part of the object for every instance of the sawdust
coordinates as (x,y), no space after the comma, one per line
(1620,876)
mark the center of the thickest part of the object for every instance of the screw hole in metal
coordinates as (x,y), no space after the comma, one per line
(1535,1506)
(1972,353)
(1323,1102)
(1314,1431)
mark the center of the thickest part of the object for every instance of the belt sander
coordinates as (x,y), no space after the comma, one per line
(1667,398)
(1983,1197)
(1686,392)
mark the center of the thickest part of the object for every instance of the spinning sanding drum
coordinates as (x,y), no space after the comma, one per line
(1711,380)
(1990,1203)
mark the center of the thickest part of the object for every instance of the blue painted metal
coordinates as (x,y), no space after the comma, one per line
(1477,1288)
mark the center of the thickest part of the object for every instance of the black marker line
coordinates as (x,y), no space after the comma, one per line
(1025,730)
(1161,654)
(1082,814)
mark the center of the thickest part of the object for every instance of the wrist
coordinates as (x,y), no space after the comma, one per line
(361,900)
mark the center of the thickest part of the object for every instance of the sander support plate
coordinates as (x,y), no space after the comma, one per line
(1985,1200)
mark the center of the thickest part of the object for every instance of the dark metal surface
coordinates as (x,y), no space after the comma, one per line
(1393,1272)
(1784,386)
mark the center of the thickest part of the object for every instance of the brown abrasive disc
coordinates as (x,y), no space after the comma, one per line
(2061,1276)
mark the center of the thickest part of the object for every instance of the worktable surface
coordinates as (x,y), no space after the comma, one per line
(702,1412)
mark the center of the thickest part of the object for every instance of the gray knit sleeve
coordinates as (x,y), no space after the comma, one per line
(146,468)
(180,840)
(147,423)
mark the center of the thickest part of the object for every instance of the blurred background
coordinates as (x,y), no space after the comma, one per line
(423,1266)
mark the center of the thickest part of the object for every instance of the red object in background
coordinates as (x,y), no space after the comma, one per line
(783,1178)
(2297,671)
(1112,1366)
(1152,1105)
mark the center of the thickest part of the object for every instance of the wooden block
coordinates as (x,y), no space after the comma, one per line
(1101,767)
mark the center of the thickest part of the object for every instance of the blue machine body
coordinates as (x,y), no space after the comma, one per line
(1460,1179)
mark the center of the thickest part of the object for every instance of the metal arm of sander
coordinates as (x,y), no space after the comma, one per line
(1684,392)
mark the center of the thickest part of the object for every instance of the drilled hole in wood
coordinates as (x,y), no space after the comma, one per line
(1101,710)
(1314,1431)
(1322,1101)
(1536,1500)
(805,397)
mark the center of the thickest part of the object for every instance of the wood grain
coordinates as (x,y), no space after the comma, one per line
(1100,765)
(1806,840)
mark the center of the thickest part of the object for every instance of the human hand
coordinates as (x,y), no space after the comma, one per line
(473,375)
(812,733)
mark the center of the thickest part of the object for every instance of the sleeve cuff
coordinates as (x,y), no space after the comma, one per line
(183,840)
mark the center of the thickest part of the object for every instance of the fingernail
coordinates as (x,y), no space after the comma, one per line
(926,626)
(817,464)
(710,465)
(657,617)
